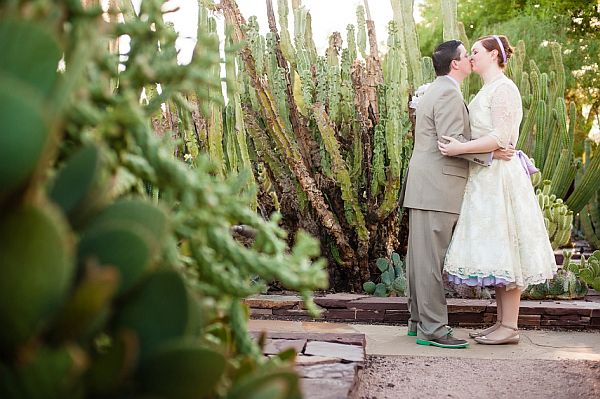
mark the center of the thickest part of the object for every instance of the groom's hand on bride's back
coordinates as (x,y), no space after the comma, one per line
(505,154)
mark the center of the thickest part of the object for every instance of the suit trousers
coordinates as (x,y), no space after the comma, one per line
(429,237)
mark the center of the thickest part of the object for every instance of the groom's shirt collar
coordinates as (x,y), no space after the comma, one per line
(454,81)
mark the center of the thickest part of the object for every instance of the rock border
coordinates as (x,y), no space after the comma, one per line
(468,313)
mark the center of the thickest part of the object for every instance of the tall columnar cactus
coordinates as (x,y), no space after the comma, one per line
(547,131)
(215,117)
(287,48)
(427,68)
(334,126)
(396,121)
(589,218)
(361,34)
(403,16)
(467,82)
(449,11)
(587,185)
(237,136)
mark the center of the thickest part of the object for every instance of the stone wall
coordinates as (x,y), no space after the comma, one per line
(468,313)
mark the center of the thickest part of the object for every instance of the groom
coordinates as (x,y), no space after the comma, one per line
(434,190)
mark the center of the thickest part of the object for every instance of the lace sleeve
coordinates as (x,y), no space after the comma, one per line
(504,114)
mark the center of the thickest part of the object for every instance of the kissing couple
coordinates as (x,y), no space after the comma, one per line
(472,210)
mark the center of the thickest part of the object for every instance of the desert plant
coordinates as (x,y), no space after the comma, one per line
(392,278)
(589,216)
(590,270)
(107,288)
(330,132)
(548,129)
(557,216)
(567,284)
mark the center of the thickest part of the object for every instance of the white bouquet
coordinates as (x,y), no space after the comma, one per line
(414,101)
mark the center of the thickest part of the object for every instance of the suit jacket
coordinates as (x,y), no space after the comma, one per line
(435,182)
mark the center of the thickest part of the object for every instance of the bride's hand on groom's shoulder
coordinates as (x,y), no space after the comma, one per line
(505,154)
(451,148)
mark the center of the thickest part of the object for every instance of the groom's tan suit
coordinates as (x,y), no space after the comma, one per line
(434,191)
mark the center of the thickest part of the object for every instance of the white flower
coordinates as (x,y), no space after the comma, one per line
(414,101)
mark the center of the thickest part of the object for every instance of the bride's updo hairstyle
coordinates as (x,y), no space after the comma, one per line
(500,44)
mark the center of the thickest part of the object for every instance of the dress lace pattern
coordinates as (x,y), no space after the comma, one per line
(500,237)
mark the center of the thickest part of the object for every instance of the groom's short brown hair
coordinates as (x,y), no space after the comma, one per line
(443,55)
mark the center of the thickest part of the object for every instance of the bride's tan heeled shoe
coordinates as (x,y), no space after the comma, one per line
(511,339)
(485,331)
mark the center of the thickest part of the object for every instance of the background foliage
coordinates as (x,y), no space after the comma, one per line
(574,24)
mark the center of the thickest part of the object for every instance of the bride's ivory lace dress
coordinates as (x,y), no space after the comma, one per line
(500,237)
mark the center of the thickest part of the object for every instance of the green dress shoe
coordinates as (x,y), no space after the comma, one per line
(446,341)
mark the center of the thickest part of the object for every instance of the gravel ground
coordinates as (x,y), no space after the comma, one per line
(443,377)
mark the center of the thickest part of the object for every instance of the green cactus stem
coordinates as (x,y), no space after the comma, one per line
(341,170)
(587,186)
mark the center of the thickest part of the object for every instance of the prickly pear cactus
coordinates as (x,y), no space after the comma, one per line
(590,270)
(392,279)
(565,285)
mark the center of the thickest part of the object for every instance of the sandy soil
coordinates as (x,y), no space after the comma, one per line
(427,377)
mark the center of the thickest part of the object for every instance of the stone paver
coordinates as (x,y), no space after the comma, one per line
(274,346)
(338,371)
(302,360)
(326,388)
(351,353)
(329,360)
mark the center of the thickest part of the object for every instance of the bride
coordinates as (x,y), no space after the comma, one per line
(500,239)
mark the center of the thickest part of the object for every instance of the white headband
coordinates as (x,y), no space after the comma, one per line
(501,48)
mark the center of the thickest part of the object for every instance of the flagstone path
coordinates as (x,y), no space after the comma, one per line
(339,360)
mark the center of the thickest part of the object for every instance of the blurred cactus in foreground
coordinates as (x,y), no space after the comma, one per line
(119,275)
